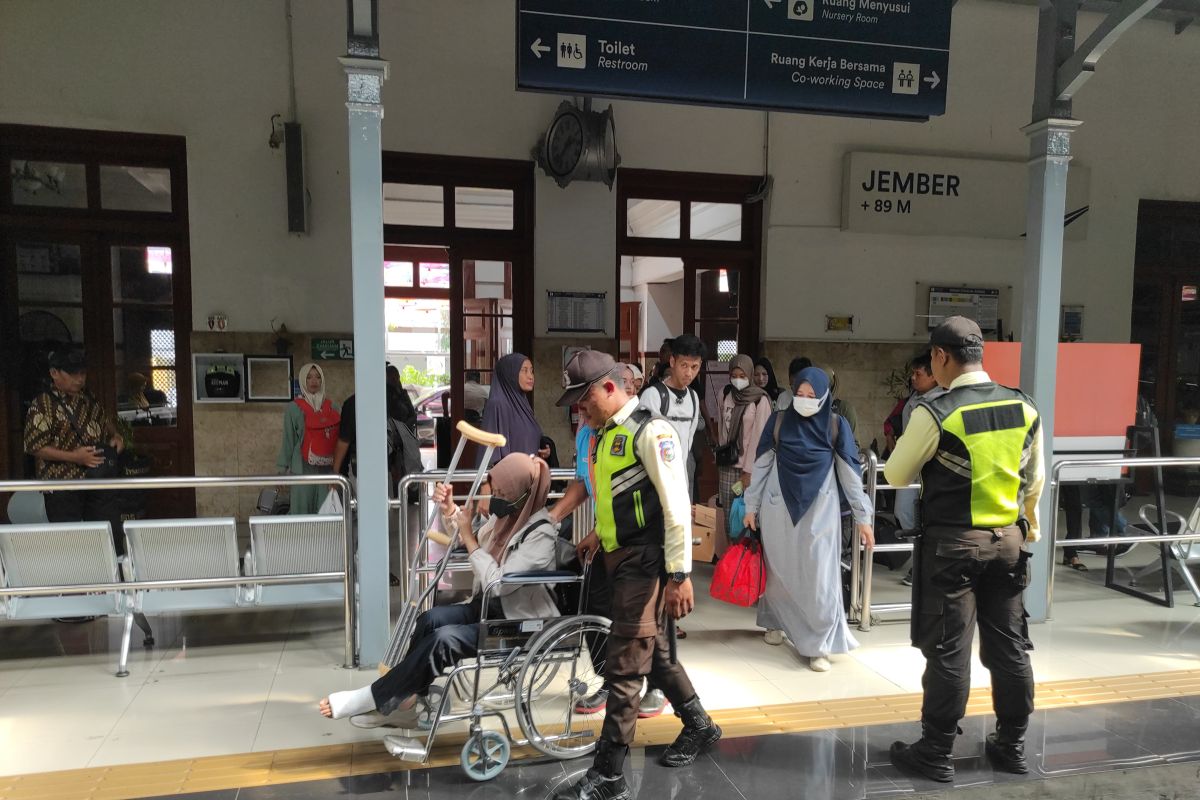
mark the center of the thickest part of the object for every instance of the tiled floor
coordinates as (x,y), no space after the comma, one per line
(249,682)
(846,764)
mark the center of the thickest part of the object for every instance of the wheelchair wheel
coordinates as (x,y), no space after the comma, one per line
(559,671)
(485,755)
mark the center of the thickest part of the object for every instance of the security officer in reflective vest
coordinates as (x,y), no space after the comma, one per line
(643,524)
(978,450)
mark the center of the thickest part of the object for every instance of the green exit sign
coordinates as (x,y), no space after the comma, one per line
(333,349)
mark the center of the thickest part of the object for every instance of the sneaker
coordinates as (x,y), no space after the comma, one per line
(773,637)
(819,664)
(594,786)
(907,579)
(593,703)
(653,703)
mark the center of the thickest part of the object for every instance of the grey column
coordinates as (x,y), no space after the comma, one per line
(1049,154)
(365,77)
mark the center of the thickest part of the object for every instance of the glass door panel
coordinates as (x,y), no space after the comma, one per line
(487,316)
(50,315)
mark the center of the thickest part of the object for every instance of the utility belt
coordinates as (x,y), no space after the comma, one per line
(924,536)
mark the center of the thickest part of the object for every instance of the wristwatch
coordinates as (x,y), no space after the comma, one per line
(679,577)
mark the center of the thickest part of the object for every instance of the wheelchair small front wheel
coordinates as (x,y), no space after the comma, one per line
(485,755)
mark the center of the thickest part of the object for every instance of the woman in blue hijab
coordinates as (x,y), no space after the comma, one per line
(807,460)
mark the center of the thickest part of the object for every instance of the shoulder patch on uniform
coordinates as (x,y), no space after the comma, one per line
(618,445)
(666,449)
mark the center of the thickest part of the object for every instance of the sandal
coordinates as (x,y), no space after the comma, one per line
(1078,566)
(680,633)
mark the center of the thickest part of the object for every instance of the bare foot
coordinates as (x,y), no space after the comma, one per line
(326,709)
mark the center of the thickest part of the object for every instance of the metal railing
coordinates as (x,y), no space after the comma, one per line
(1092,541)
(347,576)
(861,558)
(582,517)
(870,477)
(861,606)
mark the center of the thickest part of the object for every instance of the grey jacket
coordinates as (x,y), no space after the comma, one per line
(534,552)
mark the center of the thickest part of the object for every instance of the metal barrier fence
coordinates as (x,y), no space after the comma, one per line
(1102,463)
(862,563)
(861,559)
(347,576)
(581,518)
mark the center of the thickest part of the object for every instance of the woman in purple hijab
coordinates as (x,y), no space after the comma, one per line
(509,409)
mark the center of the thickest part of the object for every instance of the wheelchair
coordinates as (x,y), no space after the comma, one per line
(537,669)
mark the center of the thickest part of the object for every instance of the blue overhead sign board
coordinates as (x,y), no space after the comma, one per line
(878,58)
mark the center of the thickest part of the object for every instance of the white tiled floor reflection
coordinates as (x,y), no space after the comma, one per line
(229,683)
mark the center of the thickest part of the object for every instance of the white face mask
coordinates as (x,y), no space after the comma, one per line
(806,406)
(739,383)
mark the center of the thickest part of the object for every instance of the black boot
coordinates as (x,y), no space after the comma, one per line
(928,756)
(699,732)
(1006,747)
(605,780)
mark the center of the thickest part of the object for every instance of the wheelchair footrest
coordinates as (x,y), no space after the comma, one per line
(405,748)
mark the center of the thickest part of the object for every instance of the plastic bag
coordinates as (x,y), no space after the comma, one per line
(737,512)
(332,504)
(740,577)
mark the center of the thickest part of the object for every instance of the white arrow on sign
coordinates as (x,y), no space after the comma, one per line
(538,48)
(933,80)
(772,3)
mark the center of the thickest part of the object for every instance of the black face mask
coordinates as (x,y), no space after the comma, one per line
(503,508)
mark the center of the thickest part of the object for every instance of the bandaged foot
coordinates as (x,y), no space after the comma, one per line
(340,705)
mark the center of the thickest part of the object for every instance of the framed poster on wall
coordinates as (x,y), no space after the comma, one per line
(268,379)
(990,306)
(218,377)
(575,312)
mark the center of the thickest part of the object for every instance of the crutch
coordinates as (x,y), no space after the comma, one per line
(408,615)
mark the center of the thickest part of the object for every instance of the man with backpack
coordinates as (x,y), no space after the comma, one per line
(676,400)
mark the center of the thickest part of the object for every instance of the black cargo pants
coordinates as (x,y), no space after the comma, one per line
(967,577)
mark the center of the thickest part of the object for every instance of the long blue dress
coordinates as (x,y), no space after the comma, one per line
(804,586)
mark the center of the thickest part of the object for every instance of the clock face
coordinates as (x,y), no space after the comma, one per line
(564,144)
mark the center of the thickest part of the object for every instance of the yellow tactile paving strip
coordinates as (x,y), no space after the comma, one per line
(366,758)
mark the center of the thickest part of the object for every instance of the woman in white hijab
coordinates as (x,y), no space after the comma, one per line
(310,432)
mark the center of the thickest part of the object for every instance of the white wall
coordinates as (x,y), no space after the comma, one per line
(215,72)
(662,313)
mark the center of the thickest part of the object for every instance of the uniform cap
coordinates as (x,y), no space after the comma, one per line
(584,369)
(957,331)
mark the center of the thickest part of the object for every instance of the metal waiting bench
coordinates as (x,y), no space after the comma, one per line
(59,554)
(172,566)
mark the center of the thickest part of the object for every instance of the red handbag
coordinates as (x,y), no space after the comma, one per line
(740,577)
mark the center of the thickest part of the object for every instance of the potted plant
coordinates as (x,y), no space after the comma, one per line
(897,382)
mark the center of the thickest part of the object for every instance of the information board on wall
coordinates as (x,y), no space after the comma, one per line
(575,312)
(879,58)
(935,196)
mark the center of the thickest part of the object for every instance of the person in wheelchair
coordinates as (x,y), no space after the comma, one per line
(517,536)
